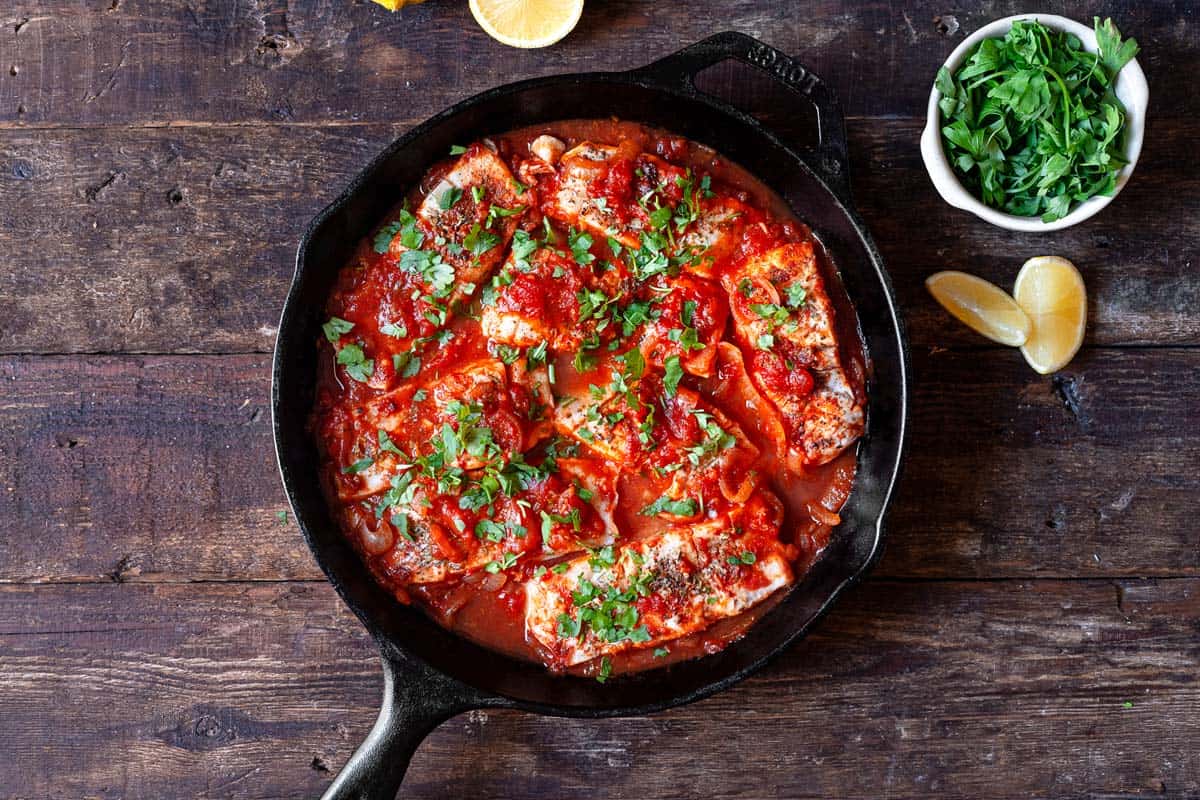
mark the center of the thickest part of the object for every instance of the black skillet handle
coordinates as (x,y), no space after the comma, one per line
(416,699)
(679,70)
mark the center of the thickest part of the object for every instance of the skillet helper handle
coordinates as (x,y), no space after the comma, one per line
(415,701)
(679,70)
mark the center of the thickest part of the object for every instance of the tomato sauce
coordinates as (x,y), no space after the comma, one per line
(584,391)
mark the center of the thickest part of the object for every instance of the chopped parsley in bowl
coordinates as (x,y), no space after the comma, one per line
(1032,127)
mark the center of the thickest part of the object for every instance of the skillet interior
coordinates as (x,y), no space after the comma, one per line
(327,245)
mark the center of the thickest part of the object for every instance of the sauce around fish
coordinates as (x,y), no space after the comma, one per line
(589,396)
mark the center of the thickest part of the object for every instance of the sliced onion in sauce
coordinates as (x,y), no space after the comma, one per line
(823,515)
(376,540)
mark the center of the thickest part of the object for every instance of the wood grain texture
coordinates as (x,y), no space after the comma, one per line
(87,62)
(1033,629)
(180,240)
(162,469)
(260,690)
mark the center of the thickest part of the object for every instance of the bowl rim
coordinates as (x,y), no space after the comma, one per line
(1130,86)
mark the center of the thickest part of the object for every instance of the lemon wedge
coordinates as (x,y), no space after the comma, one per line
(983,307)
(396,5)
(527,23)
(1051,292)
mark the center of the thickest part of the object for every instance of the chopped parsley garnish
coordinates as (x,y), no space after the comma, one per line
(432,269)
(386,445)
(660,218)
(584,362)
(523,247)
(401,523)
(478,241)
(477,194)
(495,212)
(661,652)
(400,494)
(796,295)
(636,313)
(357,365)
(635,364)
(580,243)
(687,314)
(776,315)
(494,531)
(766,341)
(593,304)
(603,558)
(605,670)
(688,210)
(457,149)
(449,198)
(650,259)
(406,226)
(715,439)
(358,466)
(672,372)
(687,338)
(506,561)
(282,516)
(335,328)
(686,507)
(609,613)
(507,353)
(393,329)
(745,558)
(536,355)
(383,239)
(406,364)
(549,520)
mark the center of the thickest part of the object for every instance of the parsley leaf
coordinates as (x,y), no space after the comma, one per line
(687,314)
(358,466)
(357,365)
(796,295)
(479,241)
(686,507)
(432,269)
(405,225)
(449,198)
(394,329)
(580,243)
(672,372)
(335,328)
(1114,53)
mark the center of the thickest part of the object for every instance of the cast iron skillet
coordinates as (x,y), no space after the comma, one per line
(431,674)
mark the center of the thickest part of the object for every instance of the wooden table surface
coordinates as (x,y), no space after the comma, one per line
(1033,630)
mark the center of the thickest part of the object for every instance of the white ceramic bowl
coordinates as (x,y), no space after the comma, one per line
(1130,88)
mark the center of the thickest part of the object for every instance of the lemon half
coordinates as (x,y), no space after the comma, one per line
(527,23)
(984,307)
(1051,292)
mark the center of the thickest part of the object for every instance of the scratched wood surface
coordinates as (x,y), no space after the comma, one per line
(1033,629)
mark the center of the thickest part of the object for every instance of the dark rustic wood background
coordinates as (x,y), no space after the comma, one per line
(1034,628)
